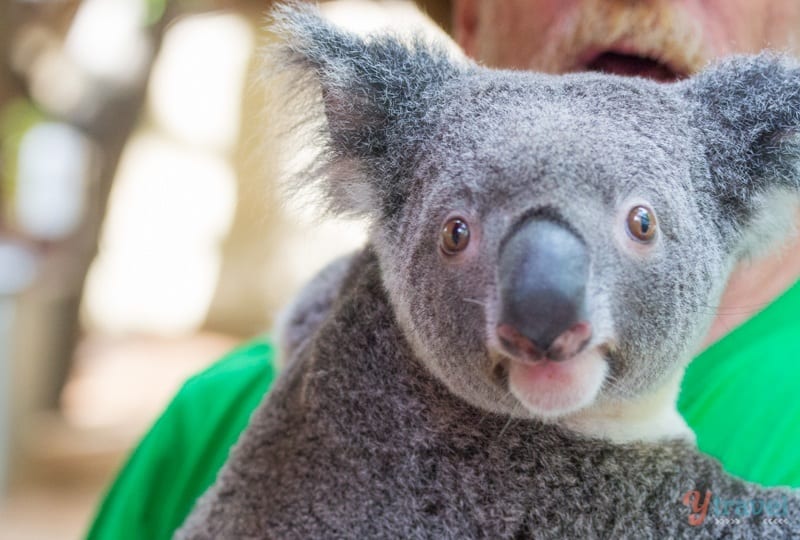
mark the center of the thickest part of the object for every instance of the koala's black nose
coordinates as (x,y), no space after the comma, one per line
(543,272)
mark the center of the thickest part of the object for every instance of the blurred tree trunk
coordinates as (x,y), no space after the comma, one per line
(46,325)
(109,130)
(52,308)
(439,11)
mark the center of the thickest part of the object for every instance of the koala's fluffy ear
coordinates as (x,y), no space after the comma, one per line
(747,110)
(374,93)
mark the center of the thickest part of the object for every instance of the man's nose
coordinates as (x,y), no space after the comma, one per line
(543,271)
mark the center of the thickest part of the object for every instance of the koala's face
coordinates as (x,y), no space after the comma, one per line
(548,243)
(554,251)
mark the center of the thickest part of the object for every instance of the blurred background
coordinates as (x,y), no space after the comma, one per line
(143,230)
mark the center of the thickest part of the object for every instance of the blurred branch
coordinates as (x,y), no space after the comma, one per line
(438,10)
(9,87)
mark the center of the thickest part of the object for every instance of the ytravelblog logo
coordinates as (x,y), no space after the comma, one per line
(732,510)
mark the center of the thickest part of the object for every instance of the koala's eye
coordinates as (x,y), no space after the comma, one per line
(642,223)
(455,236)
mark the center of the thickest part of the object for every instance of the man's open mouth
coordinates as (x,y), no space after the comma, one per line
(632,65)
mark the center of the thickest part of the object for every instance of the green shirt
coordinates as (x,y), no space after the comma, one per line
(740,396)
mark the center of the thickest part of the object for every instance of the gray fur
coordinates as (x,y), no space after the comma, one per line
(390,421)
(297,324)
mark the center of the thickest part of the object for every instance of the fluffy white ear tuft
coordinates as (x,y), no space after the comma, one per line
(747,110)
(374,92)
(350,191)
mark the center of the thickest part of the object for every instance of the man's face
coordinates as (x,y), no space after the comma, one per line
(661,39)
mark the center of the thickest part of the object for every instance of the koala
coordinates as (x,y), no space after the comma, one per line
(502,358)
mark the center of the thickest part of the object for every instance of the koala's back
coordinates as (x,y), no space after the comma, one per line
(357,440)
(300,320)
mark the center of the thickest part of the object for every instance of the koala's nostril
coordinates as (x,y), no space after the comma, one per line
(571,342)
(517,344)
(565,346)
(543,271)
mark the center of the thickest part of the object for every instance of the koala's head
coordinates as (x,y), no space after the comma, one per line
(549,242)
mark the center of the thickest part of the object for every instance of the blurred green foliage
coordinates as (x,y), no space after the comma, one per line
(16,118)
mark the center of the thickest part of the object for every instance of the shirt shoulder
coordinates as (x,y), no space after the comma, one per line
(179,457)
(739,396)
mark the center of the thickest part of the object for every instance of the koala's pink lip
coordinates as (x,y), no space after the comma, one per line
(546,385)
(549,389)
(545,369)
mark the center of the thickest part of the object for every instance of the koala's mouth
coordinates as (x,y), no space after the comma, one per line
(633,65)
(549,389)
